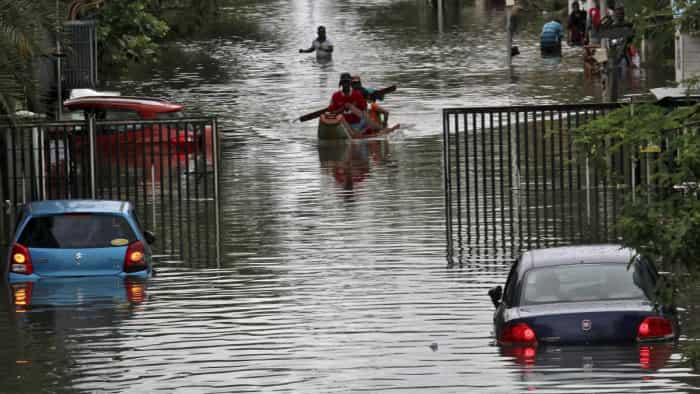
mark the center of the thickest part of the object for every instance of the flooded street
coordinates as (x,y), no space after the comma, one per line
(334,275)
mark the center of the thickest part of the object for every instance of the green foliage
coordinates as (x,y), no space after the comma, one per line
(647,124)
(662,224)
(24,29)
(657,16)
(203,19)
(689,20)
(128,32)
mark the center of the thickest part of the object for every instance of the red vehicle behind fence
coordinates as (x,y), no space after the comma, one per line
(139,109)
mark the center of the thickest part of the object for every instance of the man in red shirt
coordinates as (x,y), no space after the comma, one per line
(351,103)
(594,23)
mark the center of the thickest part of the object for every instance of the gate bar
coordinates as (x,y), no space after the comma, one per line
(93,161)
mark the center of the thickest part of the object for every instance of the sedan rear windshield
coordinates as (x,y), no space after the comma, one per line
(587,282)
(74,231)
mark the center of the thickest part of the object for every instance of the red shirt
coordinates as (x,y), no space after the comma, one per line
(355,98)
(595,18)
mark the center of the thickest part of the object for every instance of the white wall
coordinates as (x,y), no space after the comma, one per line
(586,5)
(687,56)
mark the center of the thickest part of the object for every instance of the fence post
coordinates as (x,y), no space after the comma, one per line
(153,193)
(446,186)
(217,202)
(588,190)
(12,179)
(634,178)
(3,217)
(515,183)
(42,165)
(648,177)
(93,164)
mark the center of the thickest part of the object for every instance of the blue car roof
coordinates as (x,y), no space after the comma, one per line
(605,253)
(54,207)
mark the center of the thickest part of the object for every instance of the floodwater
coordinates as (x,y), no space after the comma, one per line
(334,274)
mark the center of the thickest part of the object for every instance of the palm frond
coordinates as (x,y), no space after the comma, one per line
(24,28)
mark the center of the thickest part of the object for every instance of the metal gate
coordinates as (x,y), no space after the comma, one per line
(514,181)
(80,46)
(168,169)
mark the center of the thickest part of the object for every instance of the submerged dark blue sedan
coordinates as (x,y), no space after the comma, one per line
(580,295)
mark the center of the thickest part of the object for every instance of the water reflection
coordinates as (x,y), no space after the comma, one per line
(602,368)
(349,163)
(50,329)
(93,292)
(646,357)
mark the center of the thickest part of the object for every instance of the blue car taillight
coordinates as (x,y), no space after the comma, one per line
(518,334)
(135,292)
(135,259)
(22,295)
(655,328)
(21,260)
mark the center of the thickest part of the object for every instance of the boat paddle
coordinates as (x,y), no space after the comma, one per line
(376,93)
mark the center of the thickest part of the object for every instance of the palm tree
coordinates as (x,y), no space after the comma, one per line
(25,32)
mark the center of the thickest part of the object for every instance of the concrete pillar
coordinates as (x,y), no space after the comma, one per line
(441,22)
(679,59)
(481,8)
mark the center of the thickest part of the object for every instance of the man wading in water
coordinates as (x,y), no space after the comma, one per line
(322,45)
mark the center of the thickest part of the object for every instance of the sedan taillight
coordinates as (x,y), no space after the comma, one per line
(655,328)
(135,259)
(518,334)
(20,260)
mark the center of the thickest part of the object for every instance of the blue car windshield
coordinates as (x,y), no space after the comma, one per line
(586,282)
(76,231)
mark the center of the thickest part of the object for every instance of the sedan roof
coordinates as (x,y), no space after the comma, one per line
(55,207)
(138,104)
(583,254)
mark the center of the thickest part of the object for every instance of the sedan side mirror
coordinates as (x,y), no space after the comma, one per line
(149,236)
(496,293)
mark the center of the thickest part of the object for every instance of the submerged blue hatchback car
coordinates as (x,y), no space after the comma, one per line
(70,238)
(591,294)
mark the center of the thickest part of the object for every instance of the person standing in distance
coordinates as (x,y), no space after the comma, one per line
(577,25)
(322,45)
(550,38)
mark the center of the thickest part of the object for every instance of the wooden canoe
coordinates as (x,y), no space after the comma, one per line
(333,127)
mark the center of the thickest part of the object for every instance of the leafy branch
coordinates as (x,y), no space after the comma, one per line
(663,224)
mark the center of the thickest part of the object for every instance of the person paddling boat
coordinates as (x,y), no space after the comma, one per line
(351,104)
(378,117)
(346,117)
